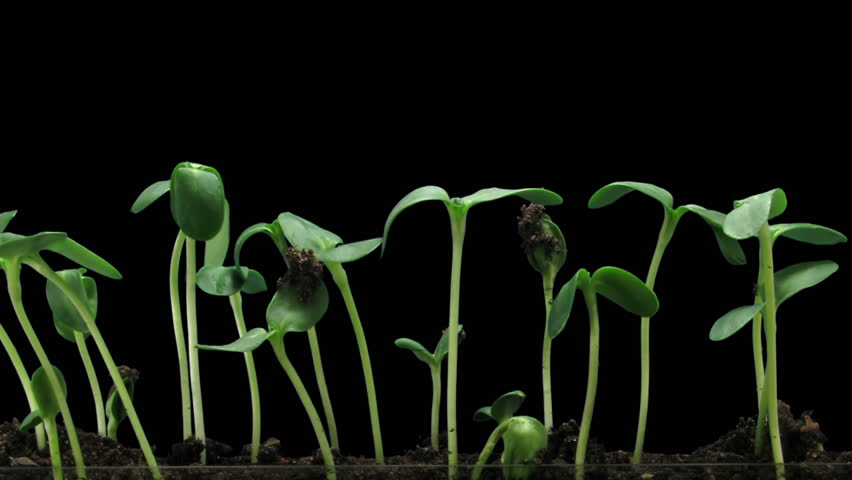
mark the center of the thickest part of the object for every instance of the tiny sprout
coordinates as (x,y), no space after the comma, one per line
(434,360)
(115,411)
(523,437)
(48,402)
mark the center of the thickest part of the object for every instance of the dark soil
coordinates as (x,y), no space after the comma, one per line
(801,439)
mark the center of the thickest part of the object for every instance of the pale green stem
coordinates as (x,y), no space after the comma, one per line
(236,301)
(759,369)
(492,442)
(43,269)
(592,384)
(112,428)
(457,222)
(547,281)
(325,398)
(41,442)
(13,281)
(180,341)
(100,415)
(340,278)
(192,338)
(55,452)
(436,405)
(277,343)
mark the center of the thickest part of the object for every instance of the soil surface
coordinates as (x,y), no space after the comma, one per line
(801,439)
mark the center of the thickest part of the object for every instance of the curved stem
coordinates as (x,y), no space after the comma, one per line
(277,343)
(458,219)
(492,441)
(21,371)
(547,281)
(759,369)
(436,405)
(180,341)
(192,338)
(55,452)
(592,384)
(342,282)
(325,398)
(100,415)
(236,301)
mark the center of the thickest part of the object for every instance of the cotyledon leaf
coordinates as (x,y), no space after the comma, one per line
(197,200)
(610,193)
(753,212)
(303,234)
(626,290)
(795,278)
(733,321)
(349,252)
(808,233)
(416,196)
(287,312)
(247,343)
(417,349)
(562,306)
(150,195)
(5,218)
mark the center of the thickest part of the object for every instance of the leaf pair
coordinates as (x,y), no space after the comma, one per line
(433,359)
(502,409)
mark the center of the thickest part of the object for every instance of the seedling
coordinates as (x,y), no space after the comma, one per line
(626,291)
(434,360)
(523,437)
(199,208)
(730,248)
(545,248)
(457,209)
(750,218)
(115,410)
(48,403)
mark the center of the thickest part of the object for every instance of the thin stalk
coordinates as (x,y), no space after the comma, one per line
(100,415)
(44,270)
(759,368)
(323,388)
(192,337)
(236,301)
(112,429)
(55,452)
(342,282)
(13,281)
(277,343)
(592,384)
(492,441)
(180,341)
(41,442)
(457,223)
(666,232)
(547,281)
(436,405)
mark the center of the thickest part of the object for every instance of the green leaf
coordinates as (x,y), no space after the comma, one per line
(254,283)
(612,192)
(84,257)
(522,441)
(288,313)
(808,233)
(149,195)
(535,195)
(417,349)
(267,228)
(247,343)
(421,194)
(216,250)
(626,290)
(443,346)
(66,318)
(800,276)
(47,402)
(13,245)
(114,406)
(730,248)
(305,235)
(504,407)
(221,281)
(31,421)
(751,213)
(734,320)
(482,415)
(197,200)
(349,252)
(562,306)
(91,289)
(5,218)
(538,256)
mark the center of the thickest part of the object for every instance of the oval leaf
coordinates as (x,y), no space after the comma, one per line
(149,195)
(443,346)
(349,252)
(65,316)
(288,313)
(197,200)
(535,195)
(5,218)
(221,281)
(505,407)
(800,276)
(626,290)
(13,245)
(305,235)
(808,233)
(751,213)
(730,248)
(216,249)
(84,257)
(612,192)
(254,283)
(482,415)
(562,306)
(734,320)
(250,232)
(31,421)
(47,402)
(538,256)
(247,343)
(524,438)
(417,349)
(421,194)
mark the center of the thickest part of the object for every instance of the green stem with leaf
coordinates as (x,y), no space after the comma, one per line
(547,280)
(592,383)
(436,406)
(458,220)
(93,382)
(236,301)
(490,444)
(21,371)
(759,368)
(180,340)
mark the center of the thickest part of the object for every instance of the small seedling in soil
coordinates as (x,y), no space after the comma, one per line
(434,360)
(48,408)
(115,411)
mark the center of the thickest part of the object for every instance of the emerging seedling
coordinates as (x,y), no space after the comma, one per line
(625,290)
(457,209)
(434,360)
(523,437)
(48,407)
(671,216)
(115,411)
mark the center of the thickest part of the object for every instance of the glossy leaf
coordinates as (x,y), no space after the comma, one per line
(267,228)
(751,213)
(13,245)
(626,290)
(247,343)
(5,218)
(305,235)
(31,421)
(288,313)
(417,349)
(197,200)
(505,407)
(795,278)
(66,318)
(47,402)
(482,415)
(216,249)
(150,195)
(730,248)
(808,233)
(733,321)
(535,195)
(418,195)
(349,252)
(562,306)
(612,192)
(254,283)
(85,258)
(221,281)
(443,346)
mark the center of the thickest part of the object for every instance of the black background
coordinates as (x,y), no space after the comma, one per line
(341,146)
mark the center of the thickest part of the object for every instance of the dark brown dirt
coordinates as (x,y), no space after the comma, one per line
(801,438)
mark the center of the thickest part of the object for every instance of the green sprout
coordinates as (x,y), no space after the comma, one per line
(750,218)
(434,360)
(115,411)
(544,245)
(625,290)
(730,248)
(48,402)
(458,209)
(523,437)
(199,208)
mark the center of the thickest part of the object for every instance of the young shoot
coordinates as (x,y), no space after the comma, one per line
(434,360)
(523,437)
(48,408)
(730,248)
(622,288)
(115,411)
(458,209)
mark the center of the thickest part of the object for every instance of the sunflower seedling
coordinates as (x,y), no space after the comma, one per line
(48,408)
(115,411)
